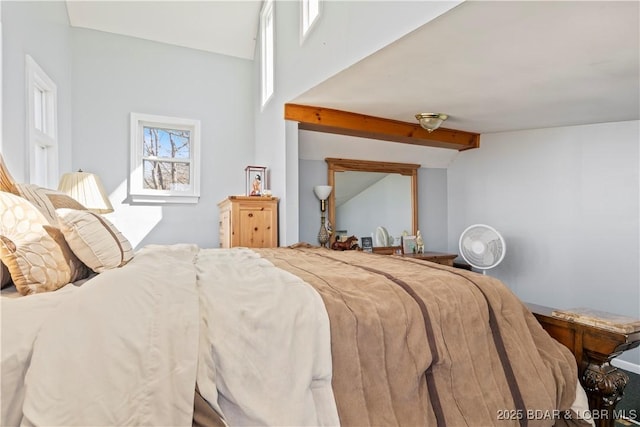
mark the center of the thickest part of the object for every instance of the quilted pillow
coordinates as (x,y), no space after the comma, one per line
(78,269)
(48,200)
(94,239)
(33,258)
(5,277)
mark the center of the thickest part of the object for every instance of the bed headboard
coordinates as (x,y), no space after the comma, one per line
(7,183)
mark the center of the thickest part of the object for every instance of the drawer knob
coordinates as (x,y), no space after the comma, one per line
(250,215)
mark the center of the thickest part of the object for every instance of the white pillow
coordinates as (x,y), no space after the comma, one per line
(94,239)
(48,200)
(38,198)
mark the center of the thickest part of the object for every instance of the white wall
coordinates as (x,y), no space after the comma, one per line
(567,202)
(40,29)
(116,75)
(101,78)
(345,33)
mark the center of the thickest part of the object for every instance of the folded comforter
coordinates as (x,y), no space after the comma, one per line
(420,344)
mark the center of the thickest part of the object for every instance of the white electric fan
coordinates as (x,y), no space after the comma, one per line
(482,247)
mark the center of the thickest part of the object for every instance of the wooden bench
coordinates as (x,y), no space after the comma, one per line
(594,348)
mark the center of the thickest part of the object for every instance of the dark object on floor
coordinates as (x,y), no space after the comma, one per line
(629,406)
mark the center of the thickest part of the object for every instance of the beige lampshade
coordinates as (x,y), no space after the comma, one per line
(87,189)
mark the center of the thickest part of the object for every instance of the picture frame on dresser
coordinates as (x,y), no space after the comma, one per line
(409,245)
(256,177)
(367,244)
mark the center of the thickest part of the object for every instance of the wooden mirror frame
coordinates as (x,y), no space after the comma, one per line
(340,165)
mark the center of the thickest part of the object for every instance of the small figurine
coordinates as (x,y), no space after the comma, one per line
(419,243)
(255,186)
(350,244)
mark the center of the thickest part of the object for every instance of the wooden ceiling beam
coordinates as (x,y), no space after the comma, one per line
(320,119)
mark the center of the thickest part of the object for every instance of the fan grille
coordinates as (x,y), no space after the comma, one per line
(482,246)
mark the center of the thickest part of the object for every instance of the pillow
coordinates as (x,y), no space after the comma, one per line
(33,194)
(77,268)
(33,258)
(47,200)
(60,200)
(7,183)
(5,277)
(94,239)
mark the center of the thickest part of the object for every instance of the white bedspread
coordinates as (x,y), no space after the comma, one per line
(127,347)
(271,354)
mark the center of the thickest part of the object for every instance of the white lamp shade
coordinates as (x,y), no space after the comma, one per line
(322,191)
(87,189)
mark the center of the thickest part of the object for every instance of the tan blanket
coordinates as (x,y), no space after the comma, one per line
(416,343)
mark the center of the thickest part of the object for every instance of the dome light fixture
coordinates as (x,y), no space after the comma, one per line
(431,121)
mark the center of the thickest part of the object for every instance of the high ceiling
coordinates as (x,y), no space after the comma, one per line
(500,66)
(492,66)
(226,27)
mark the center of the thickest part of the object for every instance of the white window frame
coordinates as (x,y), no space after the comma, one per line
(137,192)
(42,140)
(267,50)
(309,14)
(1,139)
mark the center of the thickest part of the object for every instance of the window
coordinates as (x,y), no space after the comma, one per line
(310,12)
(266,29)
(1,79)
(42,125)
(165,159)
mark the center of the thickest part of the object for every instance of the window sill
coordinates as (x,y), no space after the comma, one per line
(164,200)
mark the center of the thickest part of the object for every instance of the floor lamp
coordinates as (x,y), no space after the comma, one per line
(322,192)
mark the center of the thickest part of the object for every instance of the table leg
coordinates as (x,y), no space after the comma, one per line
(604,385)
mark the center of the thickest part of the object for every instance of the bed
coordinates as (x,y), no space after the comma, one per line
(302,335)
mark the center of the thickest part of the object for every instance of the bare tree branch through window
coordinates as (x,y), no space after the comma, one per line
(166,155)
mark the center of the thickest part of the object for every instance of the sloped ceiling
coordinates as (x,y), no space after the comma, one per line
(492,66)
(225,27)
(502,66)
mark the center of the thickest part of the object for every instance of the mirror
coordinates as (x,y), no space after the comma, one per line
(367,195)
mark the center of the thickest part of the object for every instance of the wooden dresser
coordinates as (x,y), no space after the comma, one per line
(437,257)
(248,221)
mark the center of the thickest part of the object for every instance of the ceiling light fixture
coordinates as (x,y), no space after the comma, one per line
(431,121)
